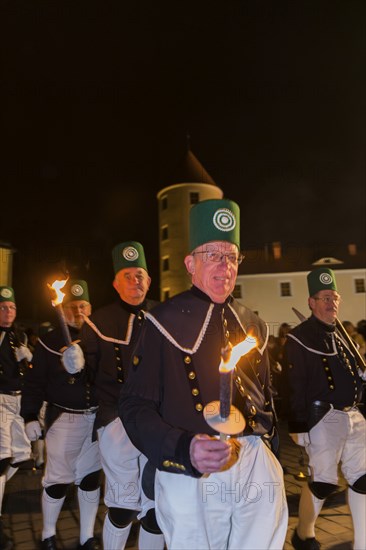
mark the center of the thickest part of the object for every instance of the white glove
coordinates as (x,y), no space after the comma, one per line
(362,374)
(23,353)
(277,367)
(33,430)
(301,439)
(73,359)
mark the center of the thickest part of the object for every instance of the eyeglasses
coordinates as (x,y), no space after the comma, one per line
(8,308)
(328,299)
(217,257)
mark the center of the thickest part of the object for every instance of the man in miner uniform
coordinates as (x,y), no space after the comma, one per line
(324,389)
(107,340)
(14,356)
(72,456)
(209,493)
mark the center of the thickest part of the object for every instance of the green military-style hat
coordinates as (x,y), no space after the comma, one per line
(128,254)
(214,220)
(321,278)
(76,289)
(7,294)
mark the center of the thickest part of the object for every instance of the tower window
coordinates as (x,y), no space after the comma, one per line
(164,233)
(194,198)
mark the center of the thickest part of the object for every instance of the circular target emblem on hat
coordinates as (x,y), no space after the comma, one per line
(326,278)
(130,253)
(6,293)
(224,220)
(77,290)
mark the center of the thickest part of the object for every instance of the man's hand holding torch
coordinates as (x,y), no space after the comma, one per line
(72,355)
(213,454)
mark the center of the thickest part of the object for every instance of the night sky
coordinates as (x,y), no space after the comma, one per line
(103,94)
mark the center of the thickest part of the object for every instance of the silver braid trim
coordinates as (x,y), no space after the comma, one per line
(173,341)
(109,338)
(49,349)
(334,352)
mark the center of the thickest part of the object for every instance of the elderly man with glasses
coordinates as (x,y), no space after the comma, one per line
(210,492)
(14,356)
(325,388)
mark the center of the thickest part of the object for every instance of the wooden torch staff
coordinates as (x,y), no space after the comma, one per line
(360,360)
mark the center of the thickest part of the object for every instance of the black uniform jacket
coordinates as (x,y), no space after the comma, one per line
(175,373)
(316,371)
(46,379)
(11,371)
(107,338)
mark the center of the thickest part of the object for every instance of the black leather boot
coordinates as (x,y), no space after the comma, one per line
(49,544)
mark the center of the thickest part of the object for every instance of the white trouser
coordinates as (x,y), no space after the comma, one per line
(123,465)
(71,453)
(243,507)
(13,440)
(339,438)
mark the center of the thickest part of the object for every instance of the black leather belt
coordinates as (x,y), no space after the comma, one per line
(325,405)
(76,411)
(11,392)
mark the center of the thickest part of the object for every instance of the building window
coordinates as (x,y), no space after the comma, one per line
(360,286)
(166,264)
(352,249)
(164,233)
(277,250)
(194,198)
(285,289)
(166,294)
(164,203)
(237,291)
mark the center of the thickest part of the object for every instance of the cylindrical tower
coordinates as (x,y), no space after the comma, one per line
(174,203)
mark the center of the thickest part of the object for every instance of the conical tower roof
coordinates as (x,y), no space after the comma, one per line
(195,172)
(184,168)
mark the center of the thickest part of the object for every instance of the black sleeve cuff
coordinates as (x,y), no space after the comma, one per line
(297,427)
(30,418)
(182,462)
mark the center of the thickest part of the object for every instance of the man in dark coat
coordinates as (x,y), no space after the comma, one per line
(72,456)
(210,492)
(324,389)
(107,341)
(14,357)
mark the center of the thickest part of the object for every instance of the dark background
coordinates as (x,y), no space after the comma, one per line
(97,99)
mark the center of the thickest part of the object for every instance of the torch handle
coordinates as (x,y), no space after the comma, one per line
(63,324)
(360,360)
(226,391)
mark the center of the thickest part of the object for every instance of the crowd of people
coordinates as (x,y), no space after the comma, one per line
(132,402)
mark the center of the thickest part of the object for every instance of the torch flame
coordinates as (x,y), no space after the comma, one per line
(56,290)
(228,363)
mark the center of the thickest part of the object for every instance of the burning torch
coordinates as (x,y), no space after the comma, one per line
(222,415)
